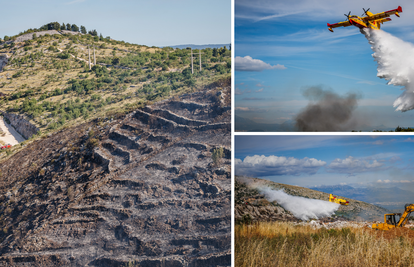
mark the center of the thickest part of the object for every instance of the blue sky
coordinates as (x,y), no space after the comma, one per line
(157,22)
(311,160)
(296,51)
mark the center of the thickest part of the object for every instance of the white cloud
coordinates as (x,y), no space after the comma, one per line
(306,10)
(247,63)
(238,91)
(243,108)
(393,181)
(273,165)
(368,82)
(351,165)
(249,109)
(378,142)
(75,1)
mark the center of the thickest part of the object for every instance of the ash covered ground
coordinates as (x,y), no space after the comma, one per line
(140,189)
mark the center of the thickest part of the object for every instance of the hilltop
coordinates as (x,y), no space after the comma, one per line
(47,78)
(249,201)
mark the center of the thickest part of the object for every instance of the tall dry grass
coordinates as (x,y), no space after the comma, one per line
(283,244)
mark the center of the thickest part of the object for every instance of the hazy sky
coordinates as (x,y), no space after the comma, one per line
(327,159)
(285,47)
(157,22)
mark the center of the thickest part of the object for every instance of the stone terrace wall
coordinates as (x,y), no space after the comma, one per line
(22,126)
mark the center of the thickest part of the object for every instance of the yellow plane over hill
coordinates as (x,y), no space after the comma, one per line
(338,200)
(372,21)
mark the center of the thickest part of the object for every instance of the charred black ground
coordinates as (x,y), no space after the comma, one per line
(140,189)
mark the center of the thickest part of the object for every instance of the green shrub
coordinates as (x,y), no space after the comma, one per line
(217,154)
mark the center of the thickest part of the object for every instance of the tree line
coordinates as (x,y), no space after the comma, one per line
(55,26)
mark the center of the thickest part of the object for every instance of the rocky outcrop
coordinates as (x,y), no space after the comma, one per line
(3,61)
(22,126)
(250,206)
(29,36)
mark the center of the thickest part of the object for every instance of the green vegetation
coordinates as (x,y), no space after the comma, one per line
(48,78)
(398,129)
(217,154)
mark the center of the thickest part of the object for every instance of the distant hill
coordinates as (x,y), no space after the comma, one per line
(193,46)
(247,125)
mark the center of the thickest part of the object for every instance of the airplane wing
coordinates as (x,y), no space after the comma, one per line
(384,20)
(382,15)
(339,24)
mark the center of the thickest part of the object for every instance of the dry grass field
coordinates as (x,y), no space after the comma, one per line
(289,244)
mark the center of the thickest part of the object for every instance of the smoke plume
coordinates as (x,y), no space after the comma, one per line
(395,60)
(327,111)
(302,208)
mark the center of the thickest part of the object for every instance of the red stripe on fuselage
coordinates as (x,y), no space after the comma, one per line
(356,23)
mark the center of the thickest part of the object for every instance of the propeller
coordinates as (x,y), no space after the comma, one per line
(347,15)
(365,11)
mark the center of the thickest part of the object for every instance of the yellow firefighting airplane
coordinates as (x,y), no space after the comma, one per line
(338,200)
(372,21)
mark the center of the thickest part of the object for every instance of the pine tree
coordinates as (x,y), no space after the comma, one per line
(93,33)
(75,28)
(83,29)
(63,27)
(215,52)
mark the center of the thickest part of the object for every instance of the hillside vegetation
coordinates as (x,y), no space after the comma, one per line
(47,76)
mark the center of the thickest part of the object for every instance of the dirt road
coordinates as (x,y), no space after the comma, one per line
(11,136)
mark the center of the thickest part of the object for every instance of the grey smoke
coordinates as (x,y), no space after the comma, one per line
(302,208)
(327,111)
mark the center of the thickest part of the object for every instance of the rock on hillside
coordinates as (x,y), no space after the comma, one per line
(250,206)
(142,189)
(4,58)
(356,210)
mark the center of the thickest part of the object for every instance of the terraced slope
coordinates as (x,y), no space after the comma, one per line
(142,190)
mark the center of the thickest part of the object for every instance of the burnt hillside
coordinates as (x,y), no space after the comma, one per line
(142,189)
